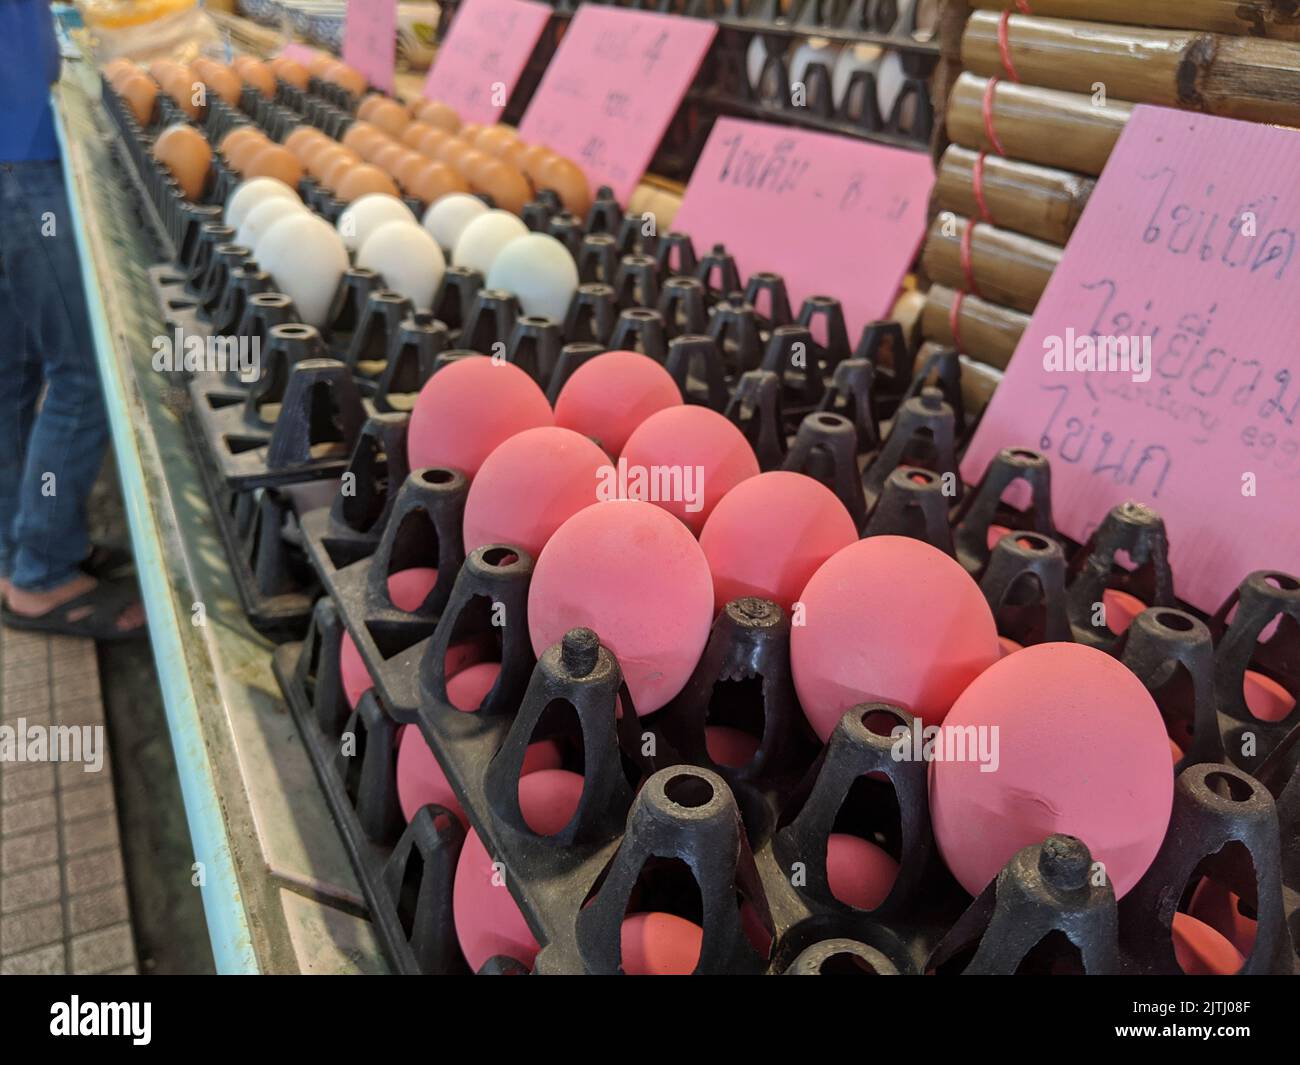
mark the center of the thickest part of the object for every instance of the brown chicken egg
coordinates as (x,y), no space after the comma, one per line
(221,82)
(277,162)
(513,153)
(336,168)
(407,167)
(308,151)
(390,116)
(569,182)
(495,139)
(368,103)
(300,137)
(362,180)
(290,71)
(319,63)
(117,69)
(470,163)
(346,78)
(533,158)
(325,158)
(237,136)
(255,73)
(414,132)
(243,152)
(387,155)
(363,138)
(508,188)
(439,115)
(450,151)
(159,67)
(182,86)
(186,154)
(431,141)
(434,180)
(140,93)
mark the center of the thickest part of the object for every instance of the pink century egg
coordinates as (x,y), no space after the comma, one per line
(730,746)
(1121,609)
(636,576)
(1082,751)
(891,619)
(660,944)
(530,486)
(700,448)
(858,872)
(488,920)
(1214,905)
(608,397)
(407,588)
(1266,699)
(470,407)
(420,779)
(1203,951)
(769,534)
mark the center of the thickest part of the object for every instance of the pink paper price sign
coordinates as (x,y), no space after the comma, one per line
(1160,364)
(370,40)
(478,65)
(612,88)
(834,216)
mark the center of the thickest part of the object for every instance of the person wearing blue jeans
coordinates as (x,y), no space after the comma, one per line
(53,429)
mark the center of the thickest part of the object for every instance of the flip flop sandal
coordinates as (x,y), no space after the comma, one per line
(107,600)
(105,561)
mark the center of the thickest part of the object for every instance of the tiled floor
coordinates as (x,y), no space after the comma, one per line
(63,900)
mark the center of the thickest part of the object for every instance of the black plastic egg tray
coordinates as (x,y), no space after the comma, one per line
(880,432)
(575,888)
(299,422)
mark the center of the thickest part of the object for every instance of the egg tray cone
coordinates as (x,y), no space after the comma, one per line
(298,423)
(275,584)
(422,529)
(253,496)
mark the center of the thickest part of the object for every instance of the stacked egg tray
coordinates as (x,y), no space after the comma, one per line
(653,795)
(865,68)
(650,294)
(754,838)
(764,47)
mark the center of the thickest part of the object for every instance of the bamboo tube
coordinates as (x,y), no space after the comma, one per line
(1236,77)
(978,383)
(986,331)
(1005,267)
(1275,19)
(1044,126)
(1035,200)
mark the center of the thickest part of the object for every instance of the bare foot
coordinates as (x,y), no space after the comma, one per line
(34,604)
